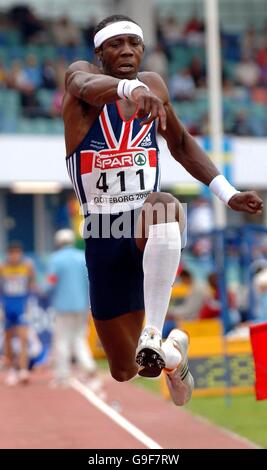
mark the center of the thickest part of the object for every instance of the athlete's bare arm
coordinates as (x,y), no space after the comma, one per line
(86,82)
(88,89)
(185,149)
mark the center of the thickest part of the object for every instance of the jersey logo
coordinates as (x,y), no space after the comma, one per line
(110,160)
(140,159)
(147,141)
(114,161)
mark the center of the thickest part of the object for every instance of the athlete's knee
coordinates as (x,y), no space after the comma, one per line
(161,208)
(161,197)
(123,375)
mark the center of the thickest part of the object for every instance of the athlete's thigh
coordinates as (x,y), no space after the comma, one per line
(119,337)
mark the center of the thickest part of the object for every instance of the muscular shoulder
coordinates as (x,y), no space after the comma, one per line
(156,84)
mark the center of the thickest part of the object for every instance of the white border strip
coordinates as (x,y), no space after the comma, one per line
(112,414)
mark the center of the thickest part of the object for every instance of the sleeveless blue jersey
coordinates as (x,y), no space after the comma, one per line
(116,165)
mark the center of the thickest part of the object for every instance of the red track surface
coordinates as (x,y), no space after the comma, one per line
(36,416)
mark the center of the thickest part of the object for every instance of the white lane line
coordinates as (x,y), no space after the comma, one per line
(114,415)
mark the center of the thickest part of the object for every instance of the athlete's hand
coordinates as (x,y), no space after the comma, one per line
(148,104)
(247,201)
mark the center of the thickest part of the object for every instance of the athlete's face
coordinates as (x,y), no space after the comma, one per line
(121,55)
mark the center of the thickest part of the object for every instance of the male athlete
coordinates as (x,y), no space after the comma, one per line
(17,280)
(112,114)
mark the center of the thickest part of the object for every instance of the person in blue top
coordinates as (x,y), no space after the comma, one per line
(67,278)
(17,281)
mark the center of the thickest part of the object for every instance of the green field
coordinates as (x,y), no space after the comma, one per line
(240,414)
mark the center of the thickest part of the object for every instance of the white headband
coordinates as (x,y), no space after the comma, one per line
(115,29)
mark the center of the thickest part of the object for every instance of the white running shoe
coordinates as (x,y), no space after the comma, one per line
(180,381)
(24,376)
(149,354)
(11,378)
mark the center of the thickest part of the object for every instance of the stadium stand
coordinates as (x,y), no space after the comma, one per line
(33,58)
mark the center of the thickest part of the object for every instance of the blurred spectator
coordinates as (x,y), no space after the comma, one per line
(191,305)
(31,106)
(32,71)
(262,55)
(197,72)
(260,284)
(241,125)
(250,42)
(212,306)
(61,67)
(194,31)
(17,78)
(68,282)
(247,72)
(88,33)
(17,280)
(200,218)
(229,88)
(194,25)
(48,75)
(57,102)
(3,75)
(182,86)
(66,33)
(230,46)
(31,28)
(171,31)
(156,61)
(25,80)
(204,125)
(200,224)
(259,95)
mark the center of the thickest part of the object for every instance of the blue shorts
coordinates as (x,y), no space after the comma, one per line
(15,312)
(115,272)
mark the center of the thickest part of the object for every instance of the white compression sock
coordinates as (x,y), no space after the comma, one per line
(160,263)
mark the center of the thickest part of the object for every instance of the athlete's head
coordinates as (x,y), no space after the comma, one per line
(119,45)
(14,252)
(64,237)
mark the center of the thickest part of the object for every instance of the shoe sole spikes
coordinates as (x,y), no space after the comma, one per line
(150,363)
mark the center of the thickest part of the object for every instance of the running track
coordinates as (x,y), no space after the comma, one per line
(36,416)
